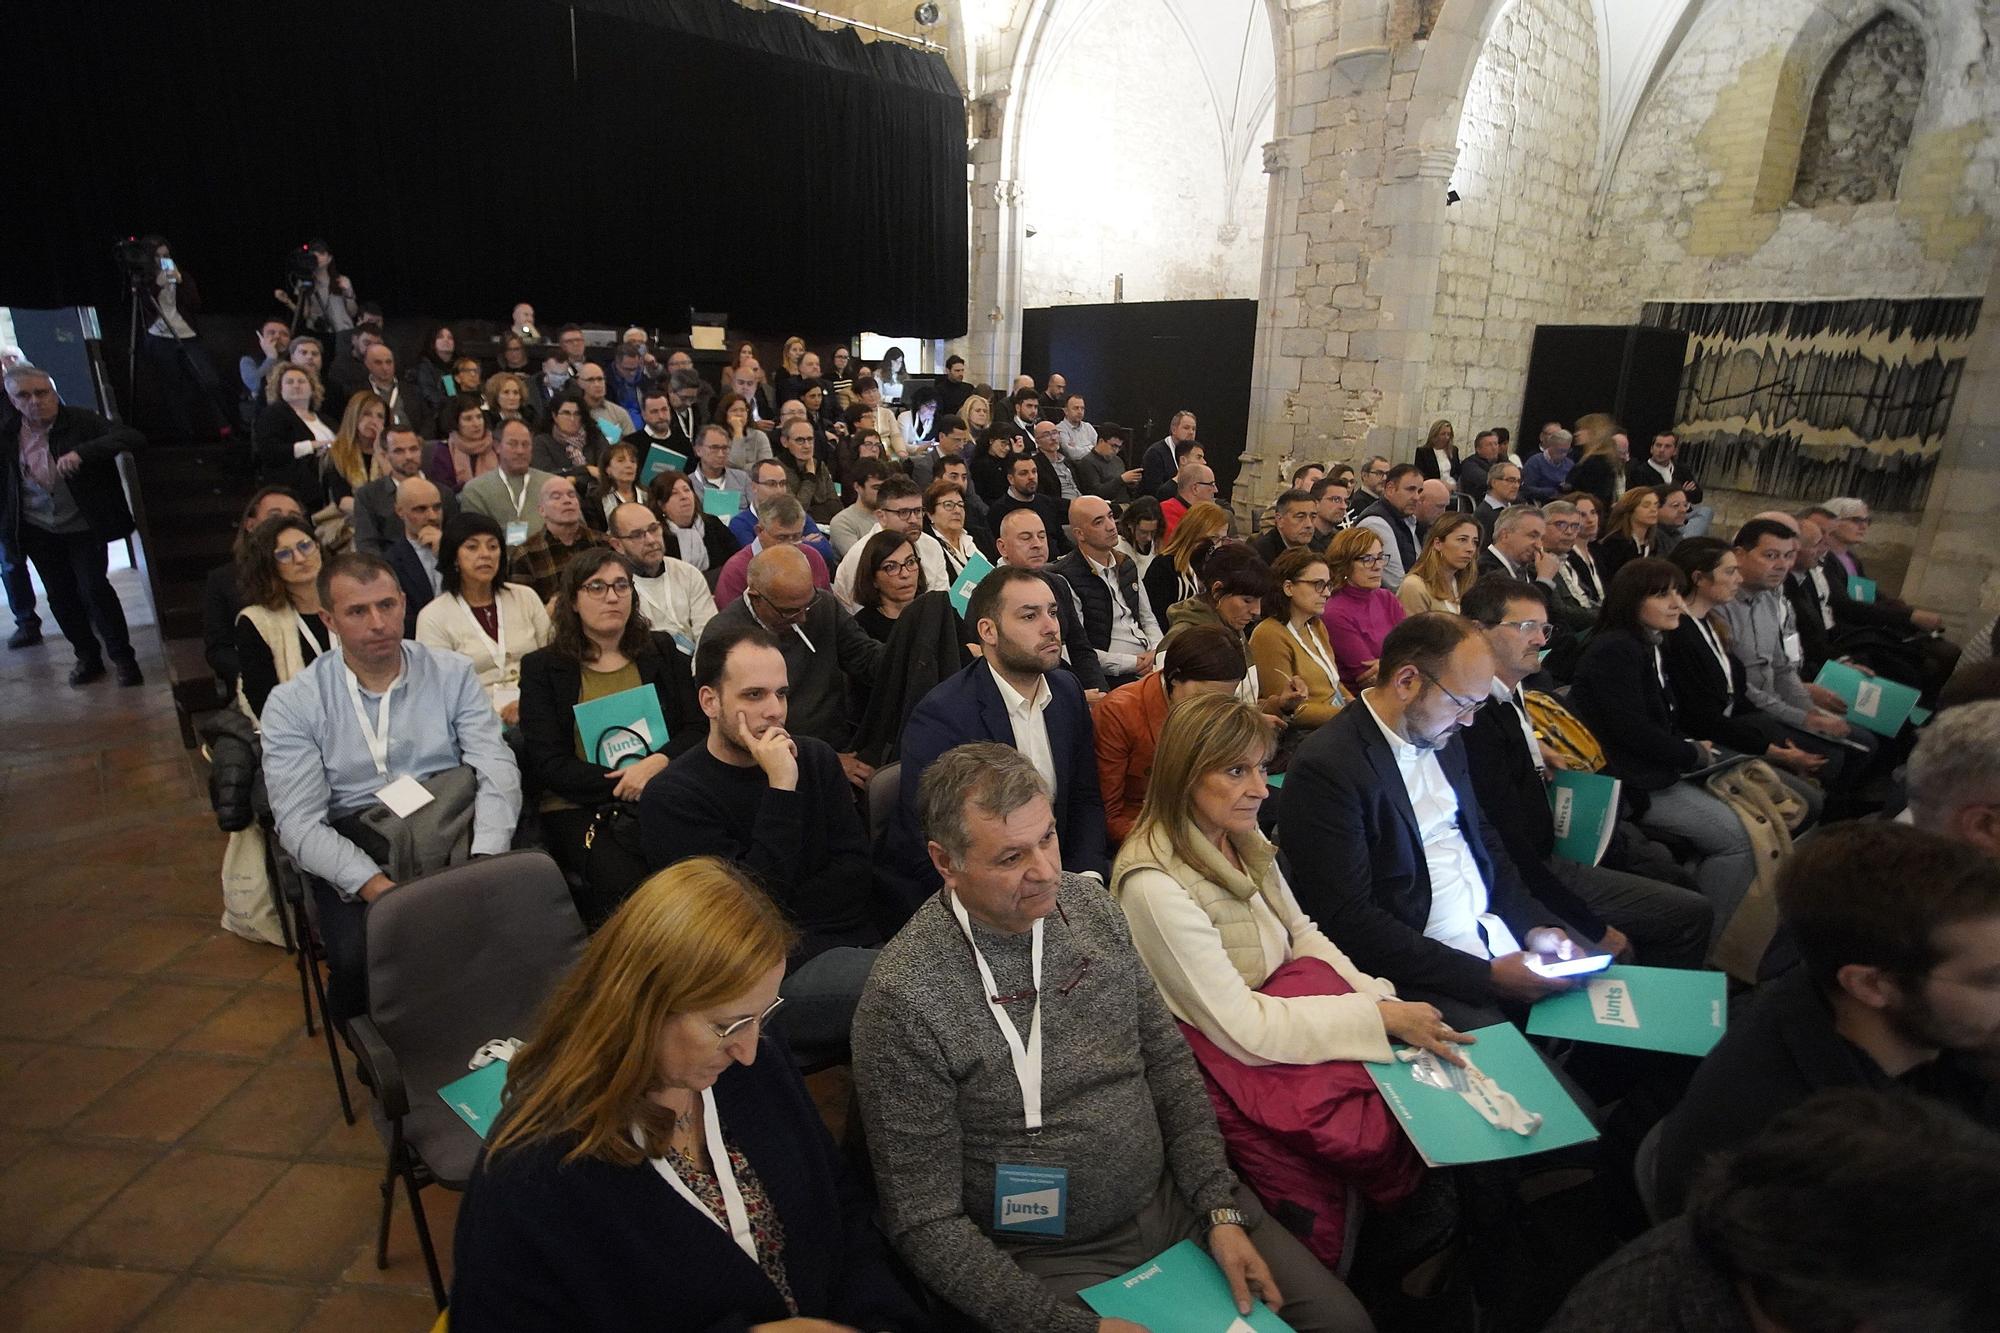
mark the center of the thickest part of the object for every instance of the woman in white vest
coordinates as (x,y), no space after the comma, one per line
(280,631)
(480,615)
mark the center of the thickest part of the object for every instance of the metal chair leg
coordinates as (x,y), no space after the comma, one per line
(388,1188)
(424,1235)
(332,1046)
(307,958)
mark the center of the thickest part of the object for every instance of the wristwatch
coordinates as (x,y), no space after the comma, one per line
(1227,1217)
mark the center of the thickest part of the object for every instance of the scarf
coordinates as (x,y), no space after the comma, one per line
(472,458)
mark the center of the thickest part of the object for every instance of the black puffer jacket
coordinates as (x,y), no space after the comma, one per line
(235,768)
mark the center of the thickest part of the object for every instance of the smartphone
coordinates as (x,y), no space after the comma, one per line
(1570,967)
(167,265)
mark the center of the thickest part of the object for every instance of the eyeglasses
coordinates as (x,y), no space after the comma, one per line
(303,548)
(1376,473)
(951,504)
(783,612)
(615,589)
(1076,976)
(905,512)
(1534,629)
(1466,707)
(907,565)
(1372,561)
(650,530)
(1317,585)
(725,1031)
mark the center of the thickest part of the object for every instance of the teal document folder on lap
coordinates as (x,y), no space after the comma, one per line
(1446,1128)
(1648,1008)
(476,1097)
(1181,1291)
(634,723)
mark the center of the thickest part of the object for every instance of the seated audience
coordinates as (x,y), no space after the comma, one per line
(479,615)
(511,494)
(1664,924)
(355,721)
(892,577)
(1624,693)
(1774,1241)
(617,484)
(747,444)
(1100,469)
(376,527)
(1446,567)
(828,658)
(1117,616)
(1472,472)
(1021,493)
(420,510)
(1330,513)
(222,591)
(1055,478)
(1954,776)
(1015,694)
(768,481)
(1577,590)
(808,478)
(1194,484)
(280,630)
(290,437)
(1139,534)
(1360,612)
(1898,932)
(1400,863)
(1928,658)
(1235,587)
(1659,468)
(1437,459)
(1021,543)
(777,805)
(567,1224)
(540,561)
(1598,470)
(469,439)
(1174,575)
(1291,526)
(1290,645)
(1159,461)
(1546,474)
(1515,550)
(598,646)
(352,457)
(1628,531)
(574,445)
(779,520)
(1503,489)
(899,508)
(947,515)
(510,397)
(672,594)
(1208,659)
(692,534)
(1215,923)
(712,470)
(1106,1087)
(855,522)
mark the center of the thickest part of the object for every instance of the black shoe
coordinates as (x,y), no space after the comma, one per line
(85,672)
(129,674)
(25,636)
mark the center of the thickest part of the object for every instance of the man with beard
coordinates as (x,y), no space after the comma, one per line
(777,805)
(1898,930)
(1407,872)
(673,596)
(1017,694)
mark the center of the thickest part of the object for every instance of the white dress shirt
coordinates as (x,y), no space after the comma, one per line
(1029,719)
(1458,892)
(1077,440)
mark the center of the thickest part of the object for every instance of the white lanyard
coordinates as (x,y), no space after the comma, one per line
(499,637)
(305,631)
(738,1225)
(1311,645)
(1027,1059)
(377,736)
(1721,657)
(521,500)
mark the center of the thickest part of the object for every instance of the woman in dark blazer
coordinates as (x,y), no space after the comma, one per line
(290,438)
(1628,532)
(1439,441)
(600,645)
(628,1185)
(1622,690)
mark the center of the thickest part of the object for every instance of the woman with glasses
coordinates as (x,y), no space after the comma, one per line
(1269,1001)
(1623,691)
(1290,643)
(1360,612)
(659,1163)
(480,615)
(891,577)
(1446,569)
(279,631)
(600,645)
(944,506)
(573,446)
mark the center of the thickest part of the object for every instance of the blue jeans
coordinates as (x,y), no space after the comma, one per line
(1726,866)
(820,995)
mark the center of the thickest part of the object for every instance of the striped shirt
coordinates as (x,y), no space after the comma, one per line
(317,767)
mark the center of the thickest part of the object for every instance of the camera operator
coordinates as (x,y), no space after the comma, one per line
(172,344)
(322,297)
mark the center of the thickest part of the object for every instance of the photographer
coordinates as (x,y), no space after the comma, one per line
(172,344)
(322,297)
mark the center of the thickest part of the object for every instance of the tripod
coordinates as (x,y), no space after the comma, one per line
(142,309)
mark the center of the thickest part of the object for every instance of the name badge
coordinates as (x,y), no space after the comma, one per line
(1794,651)
(517,533)
(405,796)
(1030,1200)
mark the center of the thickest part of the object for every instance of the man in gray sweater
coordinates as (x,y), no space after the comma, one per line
(1014,999)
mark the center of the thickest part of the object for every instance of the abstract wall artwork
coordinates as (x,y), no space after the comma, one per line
(1809,399)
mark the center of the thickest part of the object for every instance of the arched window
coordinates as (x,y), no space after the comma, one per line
(1859,128)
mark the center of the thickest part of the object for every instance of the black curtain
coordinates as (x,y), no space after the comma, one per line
(614,161)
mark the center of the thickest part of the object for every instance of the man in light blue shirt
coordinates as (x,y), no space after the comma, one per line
(354,722)
(1547,473)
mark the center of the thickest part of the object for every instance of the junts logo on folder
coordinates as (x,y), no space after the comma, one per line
(1611,1004)
(1562,805)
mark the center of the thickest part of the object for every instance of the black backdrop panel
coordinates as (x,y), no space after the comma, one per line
(461,155)
(1630,371)
(1139,362)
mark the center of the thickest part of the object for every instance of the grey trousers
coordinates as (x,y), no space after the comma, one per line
(1315,1300)
(1667,924)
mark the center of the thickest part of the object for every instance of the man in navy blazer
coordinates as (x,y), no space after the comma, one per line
(1390,852)
(414,555)
(1018,695)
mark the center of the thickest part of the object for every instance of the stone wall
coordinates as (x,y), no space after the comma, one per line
(1862,112)
(1526,173)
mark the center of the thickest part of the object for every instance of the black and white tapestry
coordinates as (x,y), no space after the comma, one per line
(1810,399)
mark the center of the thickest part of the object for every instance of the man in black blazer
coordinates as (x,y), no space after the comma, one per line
(414,555)
(1162,457)
(1017,696)
(1405,870)
(1666,925)
(376,527)
(61,502)
(1022,542)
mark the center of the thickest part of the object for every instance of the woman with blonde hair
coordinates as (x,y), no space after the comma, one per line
(1175,573)
(1360,612)
(1438,459)
(654,1138)
(1628,532)
(1267,1000)
(509,397)
(357,452)
(1447,568)
(1598,470)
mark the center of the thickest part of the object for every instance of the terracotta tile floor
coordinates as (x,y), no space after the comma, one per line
(172,1155)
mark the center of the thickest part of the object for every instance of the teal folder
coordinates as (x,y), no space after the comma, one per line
(1650,1008)
(722,504)
(1448,1132)
(977,568)
(476,1097)
(1875,702)
(1275,781)
(1860,589)
(1181,1291)
(633,722)
(658,459)
(1585,806)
